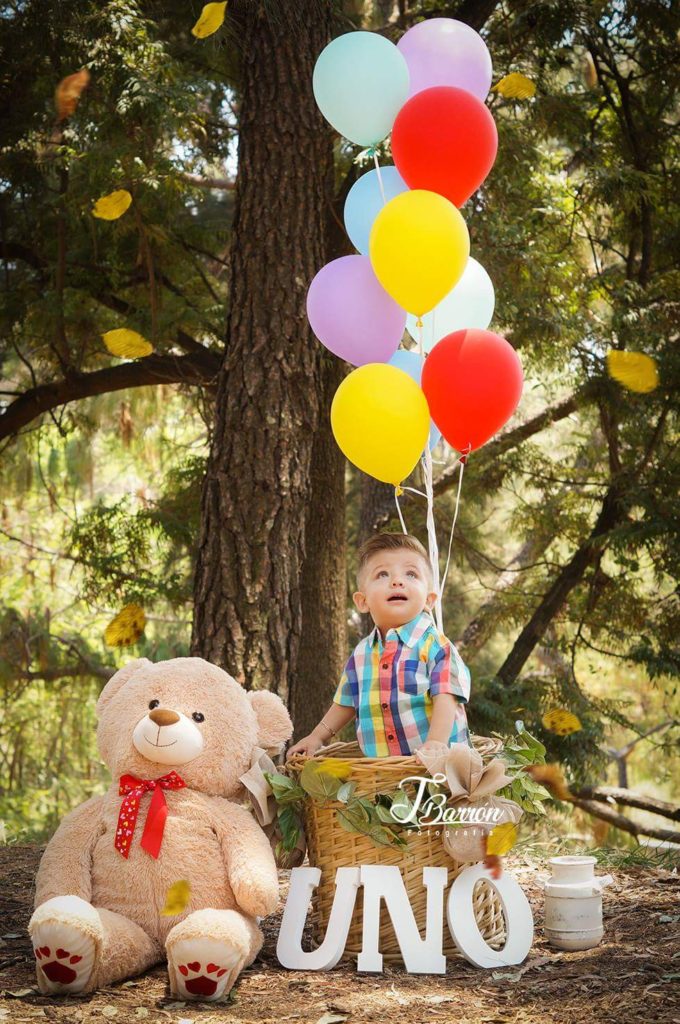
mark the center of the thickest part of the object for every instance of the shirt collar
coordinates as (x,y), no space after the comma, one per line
(409,634)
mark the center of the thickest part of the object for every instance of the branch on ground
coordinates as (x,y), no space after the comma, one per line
(550,776)
(625,824)
(605,794)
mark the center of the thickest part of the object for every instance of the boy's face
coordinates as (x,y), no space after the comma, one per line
(395,587)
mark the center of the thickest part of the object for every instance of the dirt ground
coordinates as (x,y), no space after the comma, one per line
(633,975)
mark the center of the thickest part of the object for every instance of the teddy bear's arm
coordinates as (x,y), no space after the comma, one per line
(65,867)
(248,860)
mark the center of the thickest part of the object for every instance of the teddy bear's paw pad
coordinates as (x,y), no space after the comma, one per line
(64,956)
(204,968)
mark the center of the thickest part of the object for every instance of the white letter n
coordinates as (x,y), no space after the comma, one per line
(421,956)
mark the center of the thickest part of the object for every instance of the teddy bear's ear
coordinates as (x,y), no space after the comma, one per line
(117,680)
(274,726)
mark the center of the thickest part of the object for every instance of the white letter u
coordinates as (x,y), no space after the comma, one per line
(303,882)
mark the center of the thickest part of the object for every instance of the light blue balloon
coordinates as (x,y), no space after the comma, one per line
(364,202)
(412,364)
(360,83)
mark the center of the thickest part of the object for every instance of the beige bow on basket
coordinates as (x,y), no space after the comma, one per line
(263,805)
(472,784)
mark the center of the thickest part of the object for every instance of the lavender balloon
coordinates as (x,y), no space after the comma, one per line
(443,51)
(352,314)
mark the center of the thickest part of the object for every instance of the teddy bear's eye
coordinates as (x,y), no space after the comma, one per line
(153,704)
(198,717)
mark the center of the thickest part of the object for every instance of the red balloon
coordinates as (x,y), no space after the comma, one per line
(444,140)
(473,383)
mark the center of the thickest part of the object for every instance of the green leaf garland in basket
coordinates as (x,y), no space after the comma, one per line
(327,781)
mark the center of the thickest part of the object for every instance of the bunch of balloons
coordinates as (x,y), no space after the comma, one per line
(413,268)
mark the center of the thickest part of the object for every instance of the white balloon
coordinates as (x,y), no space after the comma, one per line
(470,304)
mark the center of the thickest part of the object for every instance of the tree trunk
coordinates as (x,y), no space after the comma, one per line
(322,649)
(248,592)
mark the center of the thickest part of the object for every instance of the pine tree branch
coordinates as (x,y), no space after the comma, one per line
(197,368)
(611,514)
(221,184)
(72,672)
(16,251)
(514,437)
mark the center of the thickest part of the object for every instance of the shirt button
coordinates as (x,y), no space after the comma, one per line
(384,705)
(385,664)
(390,737)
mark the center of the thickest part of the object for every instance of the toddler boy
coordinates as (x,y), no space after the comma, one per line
(405,683)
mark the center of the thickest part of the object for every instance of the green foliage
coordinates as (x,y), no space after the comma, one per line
(519,752)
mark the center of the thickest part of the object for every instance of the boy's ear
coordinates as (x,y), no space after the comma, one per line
(430,600)
(359,599)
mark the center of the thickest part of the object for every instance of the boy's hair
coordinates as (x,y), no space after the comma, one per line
(392,542)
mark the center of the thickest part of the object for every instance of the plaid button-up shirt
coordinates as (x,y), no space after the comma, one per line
(390,685)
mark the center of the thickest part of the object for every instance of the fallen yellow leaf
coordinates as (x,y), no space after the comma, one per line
(212,17)
(550,776)
(335,767)
(634,370)
(501,839)
(561,721)
(69,91)
(515,86)
(126,628)
(176,899)
(600,831)
(127,344)
(113,206)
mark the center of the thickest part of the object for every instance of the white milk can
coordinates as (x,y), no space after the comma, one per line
(573,903)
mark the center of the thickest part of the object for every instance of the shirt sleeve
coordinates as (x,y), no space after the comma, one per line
(346,694)
(448,672)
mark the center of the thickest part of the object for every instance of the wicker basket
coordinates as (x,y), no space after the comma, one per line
(331,847)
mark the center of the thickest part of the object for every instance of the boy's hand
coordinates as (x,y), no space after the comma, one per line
(307,745)
(434,747)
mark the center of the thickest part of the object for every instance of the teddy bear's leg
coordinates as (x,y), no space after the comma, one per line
(127,950)
(207,952)
(79,947)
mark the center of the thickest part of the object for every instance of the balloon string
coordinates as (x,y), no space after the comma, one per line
(401,518)
(453,524)
(432,538)
(414,490)
(433,549)
(380,181)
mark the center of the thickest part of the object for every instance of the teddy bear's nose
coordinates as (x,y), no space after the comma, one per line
(163,717)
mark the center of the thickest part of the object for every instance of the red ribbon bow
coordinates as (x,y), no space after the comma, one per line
(133,789)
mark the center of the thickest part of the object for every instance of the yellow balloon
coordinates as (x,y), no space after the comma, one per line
(419,246)
(381,421)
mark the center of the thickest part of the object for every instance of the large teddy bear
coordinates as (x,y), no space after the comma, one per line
(176,737)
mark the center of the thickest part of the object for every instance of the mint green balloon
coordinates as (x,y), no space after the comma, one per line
(360,83)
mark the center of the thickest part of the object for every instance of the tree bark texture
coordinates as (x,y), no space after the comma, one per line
(322,652)
(256,502)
